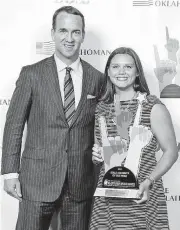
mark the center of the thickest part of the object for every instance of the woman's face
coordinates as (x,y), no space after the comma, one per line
(122,71)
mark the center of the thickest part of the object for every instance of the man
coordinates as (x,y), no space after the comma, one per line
(58,104)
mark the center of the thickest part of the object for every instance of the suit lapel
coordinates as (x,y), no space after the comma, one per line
(85,86)
(51,76)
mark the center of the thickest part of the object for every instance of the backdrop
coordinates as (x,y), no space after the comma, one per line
(150,27)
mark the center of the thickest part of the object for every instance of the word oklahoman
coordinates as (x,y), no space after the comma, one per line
(167,3)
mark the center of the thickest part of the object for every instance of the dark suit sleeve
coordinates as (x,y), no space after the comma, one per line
(15,120)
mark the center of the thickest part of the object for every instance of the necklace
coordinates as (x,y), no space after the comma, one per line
(117,101)
(119,110)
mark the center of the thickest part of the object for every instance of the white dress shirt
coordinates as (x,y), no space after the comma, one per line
(77,75)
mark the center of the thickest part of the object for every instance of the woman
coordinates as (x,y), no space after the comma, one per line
(126,104)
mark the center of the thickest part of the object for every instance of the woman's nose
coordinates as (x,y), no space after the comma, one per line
(121,70)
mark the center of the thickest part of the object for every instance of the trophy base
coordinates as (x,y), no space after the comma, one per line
(118,193)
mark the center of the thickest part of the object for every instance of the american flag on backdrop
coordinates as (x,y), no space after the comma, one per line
(143,3)
(46,48)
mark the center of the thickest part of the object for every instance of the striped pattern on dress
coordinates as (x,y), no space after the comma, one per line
(113,213)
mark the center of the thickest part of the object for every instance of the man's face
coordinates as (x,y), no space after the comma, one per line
(68,36)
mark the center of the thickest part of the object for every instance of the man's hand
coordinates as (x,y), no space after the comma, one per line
(13,188)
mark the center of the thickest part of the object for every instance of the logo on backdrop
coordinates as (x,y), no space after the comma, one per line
(171,197)
(157,3)
(48,48)
(72,1)
(168,71)
(4,102)
(98,52)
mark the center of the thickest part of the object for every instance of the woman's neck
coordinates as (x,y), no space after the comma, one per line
(125,95)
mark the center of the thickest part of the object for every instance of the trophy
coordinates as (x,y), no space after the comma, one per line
(122,167)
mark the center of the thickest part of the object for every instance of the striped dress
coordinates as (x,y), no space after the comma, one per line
(114,213)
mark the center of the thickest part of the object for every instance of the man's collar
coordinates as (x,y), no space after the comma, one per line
(76,66)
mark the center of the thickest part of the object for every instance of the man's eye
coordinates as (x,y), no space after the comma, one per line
(62,31)
(77,32)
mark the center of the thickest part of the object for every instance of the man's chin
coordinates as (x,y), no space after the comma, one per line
(68,55)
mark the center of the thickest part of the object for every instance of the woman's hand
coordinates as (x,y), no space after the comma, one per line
(97,154)
(143,192)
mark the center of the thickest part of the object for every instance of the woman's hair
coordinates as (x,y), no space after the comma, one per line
(140,81)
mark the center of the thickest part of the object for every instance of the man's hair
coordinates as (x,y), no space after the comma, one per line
(69,10)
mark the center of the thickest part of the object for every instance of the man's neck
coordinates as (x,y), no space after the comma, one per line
(67,61)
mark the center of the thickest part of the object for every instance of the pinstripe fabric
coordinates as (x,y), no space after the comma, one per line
(51,146)
(37,215)
(110,214)
(34,215)
(74,215)
(69,96)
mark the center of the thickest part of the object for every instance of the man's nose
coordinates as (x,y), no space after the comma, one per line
(69,37)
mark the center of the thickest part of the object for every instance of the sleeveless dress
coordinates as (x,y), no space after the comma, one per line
(116,213)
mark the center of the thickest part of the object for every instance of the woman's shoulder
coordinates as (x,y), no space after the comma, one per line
(153,99)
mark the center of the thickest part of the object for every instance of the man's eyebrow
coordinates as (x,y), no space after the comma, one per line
(76,30)
(62,29)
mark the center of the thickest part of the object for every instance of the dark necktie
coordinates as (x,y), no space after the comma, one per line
(69,97)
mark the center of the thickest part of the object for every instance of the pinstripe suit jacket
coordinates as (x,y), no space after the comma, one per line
(52,148)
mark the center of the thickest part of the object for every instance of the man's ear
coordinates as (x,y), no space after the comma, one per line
(52,34)
(83,36)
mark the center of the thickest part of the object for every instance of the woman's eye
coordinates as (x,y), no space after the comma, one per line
(114,66)
(128,67)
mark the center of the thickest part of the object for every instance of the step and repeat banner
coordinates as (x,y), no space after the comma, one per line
(151,28)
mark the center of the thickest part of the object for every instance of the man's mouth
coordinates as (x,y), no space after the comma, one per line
(69,46)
